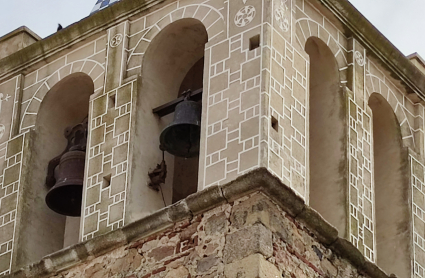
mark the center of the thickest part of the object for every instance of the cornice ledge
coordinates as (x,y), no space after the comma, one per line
(71,35)
(257,180)
(378,44)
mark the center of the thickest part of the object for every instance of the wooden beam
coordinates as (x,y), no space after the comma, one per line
(169,107)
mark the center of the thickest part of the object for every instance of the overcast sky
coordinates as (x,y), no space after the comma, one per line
(401,21)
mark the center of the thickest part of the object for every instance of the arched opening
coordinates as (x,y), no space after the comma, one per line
(172,64)
(327,136)
(43,230)
(392,201)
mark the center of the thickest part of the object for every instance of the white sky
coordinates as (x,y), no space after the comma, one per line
(401,21)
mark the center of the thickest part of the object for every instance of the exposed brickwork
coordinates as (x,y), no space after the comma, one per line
(250,237)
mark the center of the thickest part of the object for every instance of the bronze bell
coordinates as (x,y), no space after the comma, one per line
(66,173)
(181,138)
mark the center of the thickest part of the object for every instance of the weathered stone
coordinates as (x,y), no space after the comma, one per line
(180,272)
(205,264)
(189,231)
(149,245)
(329,269)
(179,211)
(244,185)
(324,231)
(283,195)
(105,243)
(291,247)
(216,224)
(257,209)
(346,249)
(204,200)
(374,271)
(95,271)
(148,225)
(253,266)
(162,252)
(67,257)
(250,240)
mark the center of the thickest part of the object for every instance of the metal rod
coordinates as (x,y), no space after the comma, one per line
(169,107)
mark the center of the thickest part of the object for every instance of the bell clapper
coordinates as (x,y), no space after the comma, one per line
(158,175)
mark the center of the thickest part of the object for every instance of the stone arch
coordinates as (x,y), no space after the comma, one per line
(306,28)
(327,136)
(167,67)
(376,85)
(44,231)
(392,190)
(209,16)
(31,107)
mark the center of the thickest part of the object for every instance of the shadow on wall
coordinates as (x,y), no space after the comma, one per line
(43,231)
(392,198)
(328,143)
(173,63)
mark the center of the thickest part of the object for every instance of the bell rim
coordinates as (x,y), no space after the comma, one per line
(49,197)
(162,139)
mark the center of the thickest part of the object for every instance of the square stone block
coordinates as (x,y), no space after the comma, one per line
(120,154)
(116,212)
(248,241)
(5,261)
(90,223)
(254,266)
(11,174)
(123,95)
(99,106)
(118,184)
(95,165)
(215,172)
(8,203)
(14,146)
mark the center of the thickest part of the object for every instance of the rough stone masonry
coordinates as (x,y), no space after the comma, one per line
(250,232)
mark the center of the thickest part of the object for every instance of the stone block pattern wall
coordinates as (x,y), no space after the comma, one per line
(20,100)
(361,177)
(366,79)
(287,94)
(233,109)
(232,83)
(11,156)
(107,171)
(250,238)
(418,206)
(108,143)
(243,90)
(89,59)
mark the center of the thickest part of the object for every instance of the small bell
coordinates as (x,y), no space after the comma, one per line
(181,138)
(66,173)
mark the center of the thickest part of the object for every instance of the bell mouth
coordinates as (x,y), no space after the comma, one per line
(65,199)
(181,140)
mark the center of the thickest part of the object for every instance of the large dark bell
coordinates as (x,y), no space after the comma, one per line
(65,196)
(181,137)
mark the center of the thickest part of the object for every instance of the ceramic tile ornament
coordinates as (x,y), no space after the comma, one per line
(101,4)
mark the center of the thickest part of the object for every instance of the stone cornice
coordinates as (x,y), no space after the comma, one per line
(353,20)
(378,45)
(257,180)
(22,29)
(73,34)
